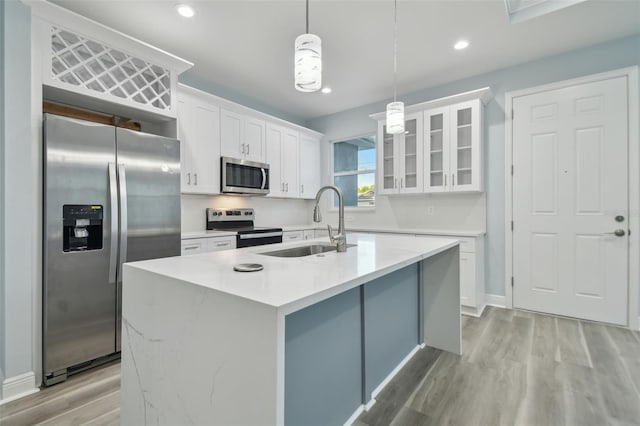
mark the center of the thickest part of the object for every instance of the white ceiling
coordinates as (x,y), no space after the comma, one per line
(247,46)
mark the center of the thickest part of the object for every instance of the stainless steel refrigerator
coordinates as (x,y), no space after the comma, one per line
(111,195)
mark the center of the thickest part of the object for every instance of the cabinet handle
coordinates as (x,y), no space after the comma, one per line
(445,180)
(293,237)
(287,186)
(222,244)
(191,248)
(243,148)
(188,178)
(248,148)
(395,182)
(195,177)
(401,182)
(302,188)
(453,179)
(282,185)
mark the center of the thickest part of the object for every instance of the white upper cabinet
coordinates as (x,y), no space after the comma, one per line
(453,154)
(282,157)
(242,136)
(199,134)
(310,177)
(400,157)
(440,150)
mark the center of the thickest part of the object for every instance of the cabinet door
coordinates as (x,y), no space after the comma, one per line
(193,246)
(436,155)
(185,118)
(308,234)
(290,163)
(205,147)
(309,166)
(275,136)
(468,279)
(292,236)
(254,139)
(465,146)
(410,160)
(221,243)
(387,178)
(231,134)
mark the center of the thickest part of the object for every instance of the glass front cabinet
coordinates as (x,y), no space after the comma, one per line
(400,157)
(453,152)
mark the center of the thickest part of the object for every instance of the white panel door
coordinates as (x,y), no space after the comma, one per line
(254,136)
(309,166)
(273,157)
(290,163)
(569,197)
(231,135)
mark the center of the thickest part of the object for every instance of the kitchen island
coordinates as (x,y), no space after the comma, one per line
(307,340)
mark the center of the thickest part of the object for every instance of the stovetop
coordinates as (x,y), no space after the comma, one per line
(247,229)
(235,220)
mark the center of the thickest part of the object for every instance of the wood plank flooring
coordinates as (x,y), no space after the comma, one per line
(518,368)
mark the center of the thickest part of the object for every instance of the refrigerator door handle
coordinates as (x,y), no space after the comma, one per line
(113,211)
(122,179)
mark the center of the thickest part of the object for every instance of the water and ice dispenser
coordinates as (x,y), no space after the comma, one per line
(82,227)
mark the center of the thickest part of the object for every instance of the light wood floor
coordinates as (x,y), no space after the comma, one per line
(519,368)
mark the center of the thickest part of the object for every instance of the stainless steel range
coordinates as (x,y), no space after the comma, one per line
(241,221)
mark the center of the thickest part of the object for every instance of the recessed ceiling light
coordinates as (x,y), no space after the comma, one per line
(326,90)
(461,44)
(185,10)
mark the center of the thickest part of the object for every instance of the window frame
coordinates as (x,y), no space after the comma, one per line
(333,174)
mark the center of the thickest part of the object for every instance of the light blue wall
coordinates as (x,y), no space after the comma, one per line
(191,79)
(599,58)
(2,180)
(18,195)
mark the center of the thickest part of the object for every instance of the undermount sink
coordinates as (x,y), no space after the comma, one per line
(302,251)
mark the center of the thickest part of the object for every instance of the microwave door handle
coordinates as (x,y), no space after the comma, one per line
(113,211)
(264,178)
(123,218)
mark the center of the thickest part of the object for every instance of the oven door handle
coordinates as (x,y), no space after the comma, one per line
(264,178)
(260,235)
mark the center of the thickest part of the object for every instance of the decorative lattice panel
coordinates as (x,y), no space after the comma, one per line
(85,63)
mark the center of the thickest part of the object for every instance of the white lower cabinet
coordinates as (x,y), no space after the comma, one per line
(472,293)
(289,236)
(308,234)
(322,233)
(208,244)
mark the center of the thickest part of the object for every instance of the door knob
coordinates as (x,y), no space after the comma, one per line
(619,218)
(617,233)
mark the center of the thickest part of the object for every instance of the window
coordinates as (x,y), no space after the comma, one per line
(354,171)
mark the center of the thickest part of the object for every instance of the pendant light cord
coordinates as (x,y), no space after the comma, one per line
(395,46)
(307,16)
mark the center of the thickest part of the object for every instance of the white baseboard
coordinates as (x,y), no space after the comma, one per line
(390,376)
(355,415)
(18,386)
(471,311)
(495,300)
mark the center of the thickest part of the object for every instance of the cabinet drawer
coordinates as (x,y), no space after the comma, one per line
(193,245)
(467,244)
(292,236)
(221,243)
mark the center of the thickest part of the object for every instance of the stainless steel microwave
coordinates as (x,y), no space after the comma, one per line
(243,177)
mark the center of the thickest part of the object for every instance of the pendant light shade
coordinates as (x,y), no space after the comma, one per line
(308,63)
(395,109)
(395,118)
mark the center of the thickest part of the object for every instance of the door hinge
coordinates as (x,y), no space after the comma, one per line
(512,280)
(512,225)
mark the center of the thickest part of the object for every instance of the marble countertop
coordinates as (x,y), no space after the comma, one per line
(290,284)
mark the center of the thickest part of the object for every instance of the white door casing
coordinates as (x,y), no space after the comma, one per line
(570,181)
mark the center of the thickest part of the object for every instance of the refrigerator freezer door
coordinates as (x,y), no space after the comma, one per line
(79,302)
(149,176)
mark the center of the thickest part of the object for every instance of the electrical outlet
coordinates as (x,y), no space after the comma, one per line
(431,211)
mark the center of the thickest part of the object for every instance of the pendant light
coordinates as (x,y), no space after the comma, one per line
(395,109)
(308,60)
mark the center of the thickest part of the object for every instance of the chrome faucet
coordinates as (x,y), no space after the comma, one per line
(340,240)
